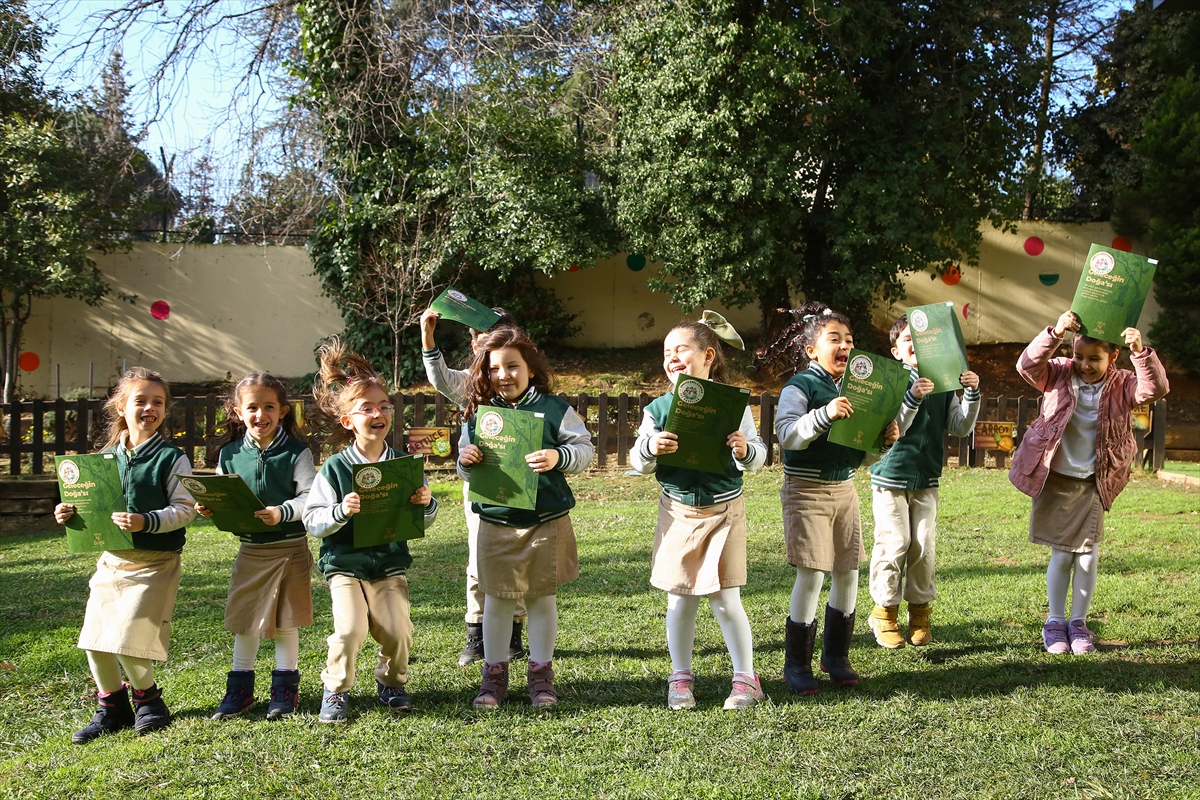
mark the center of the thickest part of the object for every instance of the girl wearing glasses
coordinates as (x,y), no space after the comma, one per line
(368,585)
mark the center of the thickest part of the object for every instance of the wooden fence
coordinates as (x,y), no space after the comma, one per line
(36,430)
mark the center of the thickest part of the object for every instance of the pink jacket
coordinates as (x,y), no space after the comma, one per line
(1115,447)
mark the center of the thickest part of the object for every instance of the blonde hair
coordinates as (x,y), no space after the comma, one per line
(343,378)
(114,406)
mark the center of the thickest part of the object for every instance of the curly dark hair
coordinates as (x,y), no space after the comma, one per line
(808,323)
(479,380)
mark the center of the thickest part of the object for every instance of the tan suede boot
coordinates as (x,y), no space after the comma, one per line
(919,633)
(884,626)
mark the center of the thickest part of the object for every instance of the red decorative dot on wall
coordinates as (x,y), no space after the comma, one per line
(573,268)
(1034,246)
(1122,243)
(952,276)
(28,362)
(966,308)
(160,309)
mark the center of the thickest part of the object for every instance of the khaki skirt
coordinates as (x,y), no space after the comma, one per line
(1067,515)
(271,587)
(699,550)
(526,562)
(822,525)
(131,598)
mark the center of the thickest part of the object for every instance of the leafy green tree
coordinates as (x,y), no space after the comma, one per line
(766,149)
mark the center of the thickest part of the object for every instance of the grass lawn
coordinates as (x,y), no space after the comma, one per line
(1183,468)
(983,712)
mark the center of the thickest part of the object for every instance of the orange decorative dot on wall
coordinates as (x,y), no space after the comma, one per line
(952,276)
(1034,246)
(1122,243)
(28,362)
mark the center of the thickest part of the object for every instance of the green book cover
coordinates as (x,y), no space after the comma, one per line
(939,345)
(232,502)
(875,386)
(1111,292)
(383,490)
(506,436)
(92,483)
(703,414)
(453,304)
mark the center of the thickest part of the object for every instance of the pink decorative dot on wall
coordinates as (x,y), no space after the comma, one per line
(160,309)
(1034,246)
(966,309)
(28,362)
(1122,243)
(952,276)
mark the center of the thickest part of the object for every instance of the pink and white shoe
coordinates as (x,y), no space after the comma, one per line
(679,691)
(1082,640)
(1054,638)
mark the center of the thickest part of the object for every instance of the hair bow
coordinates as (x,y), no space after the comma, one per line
(724,331)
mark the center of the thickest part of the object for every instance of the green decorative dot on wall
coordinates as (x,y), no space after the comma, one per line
(1048,278)
(636,262)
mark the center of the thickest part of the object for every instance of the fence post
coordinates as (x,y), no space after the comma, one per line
(14,437)
(36,435)
(418,410)
(1001,416)
(397,401)
(602,430)
(189,427)
(1160,433)
(82,417)
(60,427)
(623,430)
(212,449)
(766,423)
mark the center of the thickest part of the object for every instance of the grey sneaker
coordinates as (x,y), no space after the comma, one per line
(679,691)
(333,707)
(747,691)
(1054,638)
(1082,640)
(394,697)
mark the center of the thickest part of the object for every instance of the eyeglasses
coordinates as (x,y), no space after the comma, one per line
(387,409)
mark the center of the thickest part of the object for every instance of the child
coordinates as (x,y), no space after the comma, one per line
(270,591)
(368,585)
(452,383)
(820,507)
(1075,458)
(700,540)
(523,554)
(131,596)
(904,497)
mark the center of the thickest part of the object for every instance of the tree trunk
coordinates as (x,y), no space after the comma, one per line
(1042,121)
(12,343)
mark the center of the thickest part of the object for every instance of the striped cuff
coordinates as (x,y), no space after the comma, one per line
(286,512)
(824,423)
(150,522)
(911,401)
(431,509)
(339,514)
(431,353)
(971,395)
(645,448)
(564,458)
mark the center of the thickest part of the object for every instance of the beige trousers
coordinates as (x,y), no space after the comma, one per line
(903,555)
(380,608)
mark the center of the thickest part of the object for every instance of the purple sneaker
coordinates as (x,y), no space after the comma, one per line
(1054,637)
(1082,639)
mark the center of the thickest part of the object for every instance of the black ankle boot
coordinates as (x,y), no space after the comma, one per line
(285,693)
(798,652)
(473,650)
(151,714)
(115,714)
(516,648)
(835,654)
(239,694)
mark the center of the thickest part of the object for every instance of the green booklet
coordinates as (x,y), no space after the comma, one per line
(1112,291)
(506,436)
(92,483)
(703,414)
(939,345)
(384,488)
(232,502)
(875,386)
(453,304)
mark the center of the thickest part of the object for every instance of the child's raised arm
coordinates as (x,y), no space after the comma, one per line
(452,383)
(1151,382)
(1034,364)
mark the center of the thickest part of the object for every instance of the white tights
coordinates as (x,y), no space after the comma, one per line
(731,616)
(1058,575)
(287,650)
(106,670)
(806,594)
(498,626)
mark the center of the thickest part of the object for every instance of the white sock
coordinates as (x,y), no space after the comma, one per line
(245,650)
(1083,585)
(139,671)
(542,616)
(806,593)
(735,627)
(106,671)
(287,649)
(843,590)
(681,629)
(497,628)
(1058,576)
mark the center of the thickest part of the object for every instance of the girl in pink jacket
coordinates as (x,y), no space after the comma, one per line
(1075,459)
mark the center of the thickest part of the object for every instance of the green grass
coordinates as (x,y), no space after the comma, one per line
(1183,468)
(980,713)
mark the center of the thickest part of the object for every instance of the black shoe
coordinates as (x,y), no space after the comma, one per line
(798,652)
(394,697)
(239,694)
(516,649)
(115,714)
(835,655)
(285,693)
(473,650)
(151,712)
